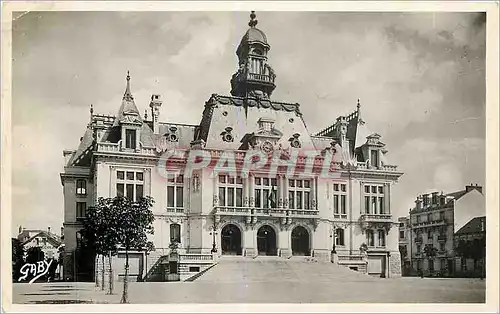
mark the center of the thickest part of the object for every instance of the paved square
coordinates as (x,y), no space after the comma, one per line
(402,290)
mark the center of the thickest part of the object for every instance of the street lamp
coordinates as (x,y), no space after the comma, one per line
(333,235)
(214,234)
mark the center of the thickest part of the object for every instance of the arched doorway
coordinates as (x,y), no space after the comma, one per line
(231,240)
(266,241)
(300,241)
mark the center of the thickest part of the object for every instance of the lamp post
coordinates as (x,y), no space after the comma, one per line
(333,235)
(214,234)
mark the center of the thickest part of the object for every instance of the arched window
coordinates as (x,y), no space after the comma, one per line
(175,233)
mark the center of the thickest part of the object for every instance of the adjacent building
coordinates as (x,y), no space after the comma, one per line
(433,223)
(470,248)
(405,244)
(49,242)
(209,211)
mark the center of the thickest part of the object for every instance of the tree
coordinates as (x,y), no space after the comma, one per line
(136,223)
(17,257)
(430,251)
(34,254)
(100,230)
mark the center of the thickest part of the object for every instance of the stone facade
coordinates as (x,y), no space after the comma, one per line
(256,212)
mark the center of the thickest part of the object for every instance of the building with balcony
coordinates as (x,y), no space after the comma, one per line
(244,213)
(432,226)
(405,244)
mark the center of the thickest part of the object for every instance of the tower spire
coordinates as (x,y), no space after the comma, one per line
(128,95)
(253,22)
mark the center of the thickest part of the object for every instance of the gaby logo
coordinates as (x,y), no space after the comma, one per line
(37,270)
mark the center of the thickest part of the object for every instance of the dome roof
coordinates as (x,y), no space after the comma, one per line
(254,35)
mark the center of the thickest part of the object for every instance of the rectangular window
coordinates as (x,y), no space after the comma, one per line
(179,196)
(129,192)
(299,193)
(258,198)
(130,139)
(374,158)
(139,191)
(401,234)
(81,187)
(339,198)
(443,264)
(381,238)
(120,175)
(230,196)
(139,176)
(175,193)
(231,191)
(130,176)
(342,204)
(339,236)
(265,198)
(130,184)
(239,197)
(370,238)
(374,199)
(81,210)
(431,265)
(306,199)
(120,189)
(170,196)
(175,233)
(442,247)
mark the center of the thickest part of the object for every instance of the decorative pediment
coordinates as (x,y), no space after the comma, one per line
(374,140)
(130,119)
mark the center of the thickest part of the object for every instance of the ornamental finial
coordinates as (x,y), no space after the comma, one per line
(145,114)
(358,105)
(253,22)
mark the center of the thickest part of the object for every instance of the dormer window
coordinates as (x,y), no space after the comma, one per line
(258,51)
(130,139)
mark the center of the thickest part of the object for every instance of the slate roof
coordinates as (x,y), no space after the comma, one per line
(458,194)
(475,225)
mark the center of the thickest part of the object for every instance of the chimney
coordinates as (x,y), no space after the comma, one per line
(471,187)
(155,106)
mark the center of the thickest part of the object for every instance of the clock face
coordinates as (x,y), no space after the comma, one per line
(267,147)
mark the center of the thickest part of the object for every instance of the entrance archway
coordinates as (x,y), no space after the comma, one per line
(266,241)
(300,241)
(231,240)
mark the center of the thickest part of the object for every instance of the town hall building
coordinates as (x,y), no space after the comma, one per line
(344,218)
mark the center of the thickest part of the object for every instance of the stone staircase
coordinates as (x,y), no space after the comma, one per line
(277,269)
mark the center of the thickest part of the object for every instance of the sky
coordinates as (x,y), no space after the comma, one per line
(420,78)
